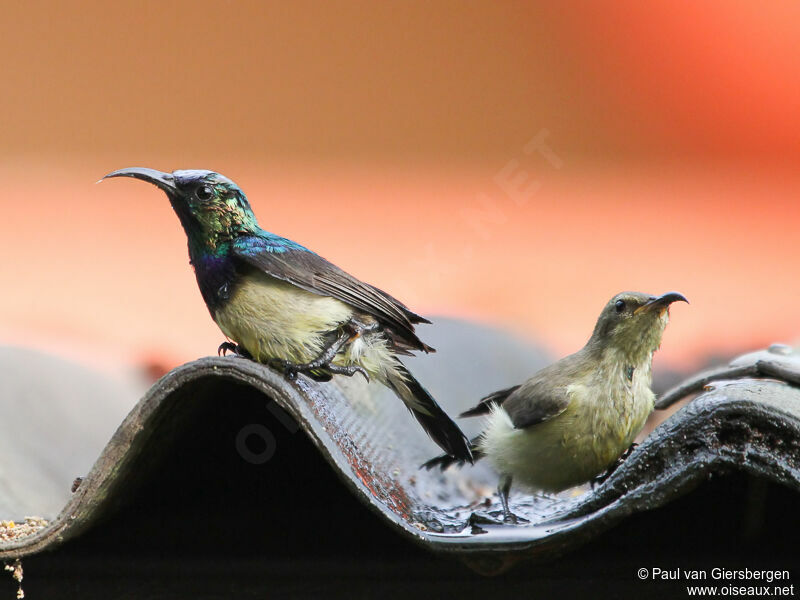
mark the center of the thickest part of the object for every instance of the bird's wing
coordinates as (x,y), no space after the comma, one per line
(290,262)
(484,407)
(536,401)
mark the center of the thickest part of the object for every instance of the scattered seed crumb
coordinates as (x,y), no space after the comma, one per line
(10,531)
(16,572)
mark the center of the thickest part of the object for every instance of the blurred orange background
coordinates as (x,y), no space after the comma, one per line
(395,139)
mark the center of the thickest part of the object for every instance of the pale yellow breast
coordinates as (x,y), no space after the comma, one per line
(274,319)
(619,409)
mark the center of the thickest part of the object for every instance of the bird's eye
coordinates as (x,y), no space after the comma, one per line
(204,192)
(619,305)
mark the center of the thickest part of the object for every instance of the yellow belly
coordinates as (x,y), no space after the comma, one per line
(274,319)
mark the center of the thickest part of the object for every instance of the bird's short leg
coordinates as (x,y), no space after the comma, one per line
(503,490)
(329,352)
(226,347)
(323,362)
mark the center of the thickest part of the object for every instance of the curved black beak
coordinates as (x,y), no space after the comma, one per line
(165,181)
(661,302)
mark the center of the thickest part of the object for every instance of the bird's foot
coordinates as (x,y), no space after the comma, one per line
(627,453)
(236,349)
(322,367)
(349,370)
(511,518)
(314,371)
(289,369)
(601,479)
(503,490)
(226,347)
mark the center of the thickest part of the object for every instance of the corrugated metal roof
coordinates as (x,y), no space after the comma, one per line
(376,449)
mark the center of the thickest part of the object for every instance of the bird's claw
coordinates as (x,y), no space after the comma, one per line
(628,452)
(601,479)
(237,350)
(349,371)
(288,369)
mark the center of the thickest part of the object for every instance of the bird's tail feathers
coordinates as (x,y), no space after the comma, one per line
(445,460)
(428,413)
(485,406)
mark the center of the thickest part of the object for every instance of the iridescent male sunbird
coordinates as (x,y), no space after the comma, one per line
(288,307)
(574,419)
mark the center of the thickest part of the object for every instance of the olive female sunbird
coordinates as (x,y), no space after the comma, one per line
(574,419)
(288,307)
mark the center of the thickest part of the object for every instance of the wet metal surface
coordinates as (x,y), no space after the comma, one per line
(750,424)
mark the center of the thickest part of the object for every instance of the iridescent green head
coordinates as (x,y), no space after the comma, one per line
(209,205)
(632,323)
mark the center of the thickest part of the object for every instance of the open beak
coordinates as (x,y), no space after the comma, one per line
(165,181)
(661,303)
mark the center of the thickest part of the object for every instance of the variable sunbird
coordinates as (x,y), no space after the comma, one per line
(288,307)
